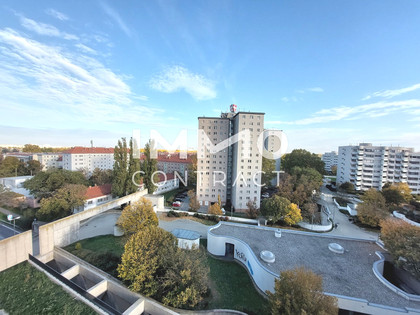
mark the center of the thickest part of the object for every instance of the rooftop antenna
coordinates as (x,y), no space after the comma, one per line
(91,143)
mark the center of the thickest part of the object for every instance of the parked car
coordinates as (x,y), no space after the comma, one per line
(176,204)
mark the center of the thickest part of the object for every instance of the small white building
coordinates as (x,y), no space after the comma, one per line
(15,184)
(187,239)
(97,195)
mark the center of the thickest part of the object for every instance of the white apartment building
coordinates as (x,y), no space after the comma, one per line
(330,159)
(368,166)
(233,173)
(49,160)
(81,158)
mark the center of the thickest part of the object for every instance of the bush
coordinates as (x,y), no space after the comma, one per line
(78,246)
(172,213)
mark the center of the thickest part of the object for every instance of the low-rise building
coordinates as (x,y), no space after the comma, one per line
(97,195)
(15,184)
(87,159)
(166,183)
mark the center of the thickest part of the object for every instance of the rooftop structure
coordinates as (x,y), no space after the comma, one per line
(349,275)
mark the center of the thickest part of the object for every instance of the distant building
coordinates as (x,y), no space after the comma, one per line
(273,144)
(330,159)
(49,160)
(15,184)
(82,158)
(166,183)
(368,166)
(239,164)
(22,156)
(169,163)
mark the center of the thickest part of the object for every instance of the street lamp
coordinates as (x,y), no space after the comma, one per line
(10,217)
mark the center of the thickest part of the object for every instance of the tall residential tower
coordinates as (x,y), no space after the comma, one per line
(233,170)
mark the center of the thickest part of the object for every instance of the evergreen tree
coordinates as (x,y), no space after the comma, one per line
(149,167)
(133,166)
(120,173)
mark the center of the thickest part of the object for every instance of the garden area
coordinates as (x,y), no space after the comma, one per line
(229,283)
(25,290)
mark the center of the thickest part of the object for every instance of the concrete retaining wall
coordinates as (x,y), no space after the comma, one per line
(349,209)
(403,217)
(316,227)
(15,249)
(66,231)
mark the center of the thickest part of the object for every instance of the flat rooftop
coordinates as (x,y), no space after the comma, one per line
(349,274)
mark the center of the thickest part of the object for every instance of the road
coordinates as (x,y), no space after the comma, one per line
(6,231)
(345,227)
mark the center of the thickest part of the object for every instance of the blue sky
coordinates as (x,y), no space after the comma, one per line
(328,73)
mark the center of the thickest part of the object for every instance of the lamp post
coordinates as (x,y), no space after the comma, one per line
(10,217)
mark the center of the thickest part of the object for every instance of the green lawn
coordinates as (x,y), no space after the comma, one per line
(234,288)
(26,290)
(231,287)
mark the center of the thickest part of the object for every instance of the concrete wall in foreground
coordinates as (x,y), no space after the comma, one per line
(66,231)
(15,249)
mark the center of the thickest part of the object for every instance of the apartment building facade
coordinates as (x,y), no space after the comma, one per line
(234,171)
(330,159)
(368,166)
(84,158)
(49,160)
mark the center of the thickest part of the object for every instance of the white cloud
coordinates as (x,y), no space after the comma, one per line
(313,89)
(56,14)
(178,78)
(392,93)
(86,49)
(45,29)
(117,18)
(50,80)
(356,112)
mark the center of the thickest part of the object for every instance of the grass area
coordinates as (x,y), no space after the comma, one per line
(231,286)
(104,252)
(234,288)
(342,202)
(26,290)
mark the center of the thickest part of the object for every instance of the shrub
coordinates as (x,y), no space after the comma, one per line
(78,246)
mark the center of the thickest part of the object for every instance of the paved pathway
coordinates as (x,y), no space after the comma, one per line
(345,227)
(102,224)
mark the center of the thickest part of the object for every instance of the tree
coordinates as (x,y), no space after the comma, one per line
(31,148)
(46,183)
(10,166)
(334,170)
(302,158)
(396,194)
(186,276)
(192,171)
(153,265)
(275,208)
(142,257)
(119,176)
(268,168)
(310,208)
(402,240)
(293,215)
(136,216)
(133,167)
(194,203)
(300,292)
(252,211)
(373,208)
(62,203)
(33,167)
(215,209)
(149,167)
(347,187)
(100,177)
